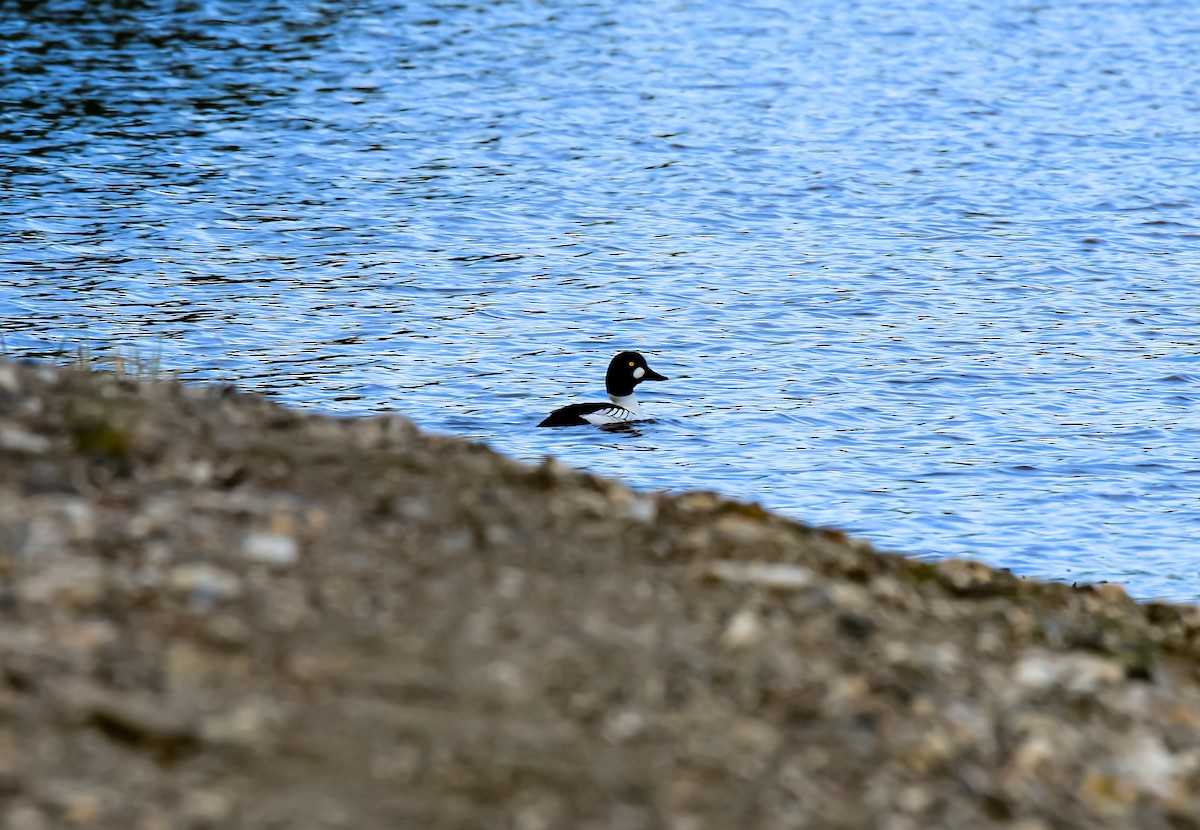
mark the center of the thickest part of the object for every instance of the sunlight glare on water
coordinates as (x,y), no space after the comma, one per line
(922,271)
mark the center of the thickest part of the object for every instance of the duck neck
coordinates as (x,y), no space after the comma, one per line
(629,402)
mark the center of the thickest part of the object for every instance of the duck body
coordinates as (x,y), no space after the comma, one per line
(625,371)
(616,411)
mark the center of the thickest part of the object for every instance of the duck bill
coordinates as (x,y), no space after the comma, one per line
(653,375)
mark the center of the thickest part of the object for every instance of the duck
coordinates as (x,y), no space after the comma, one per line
(626,371)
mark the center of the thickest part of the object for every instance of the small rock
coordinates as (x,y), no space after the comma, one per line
(624,724)
(457,540)
(633,506)
(270,549)
(25,817)
(755,736)
(508,679)
(204,808)
(1112,592)
(9,381)
(412,509)
(245,726)
(1032,753)
(43,537)
(889,589)
(1106,795)
(697,501)
(199,473)
(736,530)
(745,629)
(1146,765)
(78,581)
(186,667)
(553,470)
(130,718)
(778,577)
(227,632)
(935,747)
(966,577)
(89,636)
(205,583)
(1030,824)
(20,441)
(848,598)
(81,808)
(845,695)
(1078,673)
(914,799)
(535,809)
(509,583)
(855,625)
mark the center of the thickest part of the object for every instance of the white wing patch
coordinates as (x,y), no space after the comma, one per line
(610,415)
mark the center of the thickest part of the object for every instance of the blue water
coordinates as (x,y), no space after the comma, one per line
(925,271)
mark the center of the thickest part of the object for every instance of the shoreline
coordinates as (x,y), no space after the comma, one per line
(218,612)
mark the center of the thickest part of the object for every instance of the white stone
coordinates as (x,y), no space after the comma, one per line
(205,581)
(18,440)
(744,629)
(1149,766)
(1078,673)
(765,574)
(8,378)
(270,548)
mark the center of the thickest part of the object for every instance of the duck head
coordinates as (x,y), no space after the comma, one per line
(626,371)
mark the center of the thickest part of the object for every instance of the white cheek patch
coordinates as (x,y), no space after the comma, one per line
(638,372)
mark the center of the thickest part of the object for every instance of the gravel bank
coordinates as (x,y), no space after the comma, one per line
(219,613)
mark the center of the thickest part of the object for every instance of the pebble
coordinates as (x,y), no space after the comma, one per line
(270,549)
(1075,672)
(745,629)
(205,583)
(245,726)
(778,577)
(228,632)
(19,441)
(637,508)
(623,725)
(736,530)
(206,808)
(25,817)
(129,718)
(847,597)
(964,576)
(77,580)
(1146,765)
(9,381)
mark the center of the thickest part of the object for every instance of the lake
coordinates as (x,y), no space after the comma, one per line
(923,271)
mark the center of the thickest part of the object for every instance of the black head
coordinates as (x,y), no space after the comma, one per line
(626,371)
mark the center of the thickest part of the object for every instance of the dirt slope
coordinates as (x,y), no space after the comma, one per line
(218,613)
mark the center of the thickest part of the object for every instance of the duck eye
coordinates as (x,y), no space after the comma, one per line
(631,363)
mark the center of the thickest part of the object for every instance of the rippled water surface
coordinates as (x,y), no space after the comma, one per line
(926,271)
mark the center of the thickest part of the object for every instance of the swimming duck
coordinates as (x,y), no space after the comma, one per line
(626,371)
